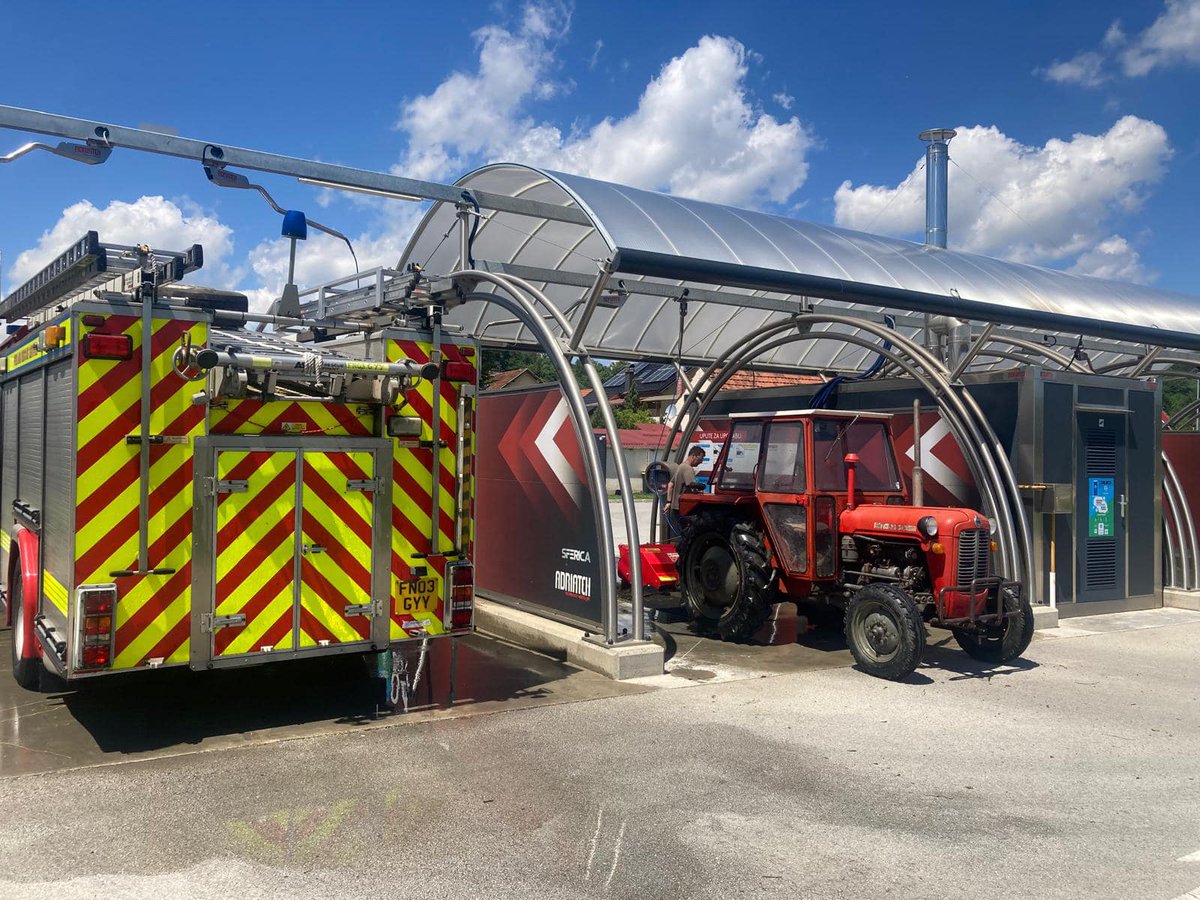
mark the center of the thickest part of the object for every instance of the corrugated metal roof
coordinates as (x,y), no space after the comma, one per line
(701,243)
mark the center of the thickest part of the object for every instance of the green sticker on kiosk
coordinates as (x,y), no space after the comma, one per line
(1100,507)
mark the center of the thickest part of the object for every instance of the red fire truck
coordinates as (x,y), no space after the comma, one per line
(186,483)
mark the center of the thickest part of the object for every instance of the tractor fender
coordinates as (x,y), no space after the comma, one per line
(26,544)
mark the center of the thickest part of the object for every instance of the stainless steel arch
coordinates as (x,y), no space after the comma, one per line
(990,467)
(523,309)
(977,464)
(630,512)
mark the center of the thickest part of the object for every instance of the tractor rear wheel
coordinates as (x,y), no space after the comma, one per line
(725,575)
(885,631)
(1000,643)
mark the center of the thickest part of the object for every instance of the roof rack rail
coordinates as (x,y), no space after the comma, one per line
(365,295)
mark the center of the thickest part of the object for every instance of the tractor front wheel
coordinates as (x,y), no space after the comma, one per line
(725,575)
(885,631)
(1000,643)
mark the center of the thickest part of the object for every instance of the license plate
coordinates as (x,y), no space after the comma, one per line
(417,595)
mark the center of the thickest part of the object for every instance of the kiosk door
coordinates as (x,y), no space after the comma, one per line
(1101,505)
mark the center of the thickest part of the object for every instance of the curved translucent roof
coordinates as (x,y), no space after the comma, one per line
(661,244)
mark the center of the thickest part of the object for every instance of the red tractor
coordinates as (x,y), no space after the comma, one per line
(810,506)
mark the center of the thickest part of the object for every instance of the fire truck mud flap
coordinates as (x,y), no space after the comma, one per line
(292,548)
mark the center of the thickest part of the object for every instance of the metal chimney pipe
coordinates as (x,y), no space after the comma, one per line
(937,158)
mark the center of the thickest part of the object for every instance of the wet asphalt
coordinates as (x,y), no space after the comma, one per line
(1071,774)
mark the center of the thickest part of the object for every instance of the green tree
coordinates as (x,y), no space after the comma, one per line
(1178,393)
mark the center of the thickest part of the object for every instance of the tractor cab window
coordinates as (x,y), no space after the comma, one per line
(783,462)
(741,462)
(834,438)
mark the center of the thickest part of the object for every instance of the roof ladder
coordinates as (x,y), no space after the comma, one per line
(87,264)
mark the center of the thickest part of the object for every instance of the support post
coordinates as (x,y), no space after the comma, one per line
(918,475)
(589,306)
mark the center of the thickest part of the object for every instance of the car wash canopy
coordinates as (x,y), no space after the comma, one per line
(619,276)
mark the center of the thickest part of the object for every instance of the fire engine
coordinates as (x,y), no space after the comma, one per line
(188,483)
(809,506)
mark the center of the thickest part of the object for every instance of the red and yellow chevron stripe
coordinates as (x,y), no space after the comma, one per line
(151,618)
(413,470)
(290,417)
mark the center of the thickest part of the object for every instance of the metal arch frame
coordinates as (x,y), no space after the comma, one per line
(981,447)
(614,442)
(974,461)
(1186,542)
(519,304)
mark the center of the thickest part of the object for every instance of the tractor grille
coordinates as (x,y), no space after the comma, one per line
(973,552)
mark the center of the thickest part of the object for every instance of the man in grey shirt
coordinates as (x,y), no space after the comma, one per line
(685,474)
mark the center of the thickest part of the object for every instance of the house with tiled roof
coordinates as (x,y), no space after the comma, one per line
(511,378)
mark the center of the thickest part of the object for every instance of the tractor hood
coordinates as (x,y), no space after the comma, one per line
(895,521)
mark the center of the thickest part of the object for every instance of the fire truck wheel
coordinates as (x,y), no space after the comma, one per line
(885,631)
(725,576)
(1001,643)
(27,672)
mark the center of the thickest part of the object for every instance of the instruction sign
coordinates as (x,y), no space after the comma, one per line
(1100,508)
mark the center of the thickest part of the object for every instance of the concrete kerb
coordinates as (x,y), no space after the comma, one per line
(1044,617)
(1181,599)
(619,662)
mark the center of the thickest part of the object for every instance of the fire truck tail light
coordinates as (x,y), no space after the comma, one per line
(95,657)
(98,602)
(462,598)
(106,346)
(459,371)
(96,605)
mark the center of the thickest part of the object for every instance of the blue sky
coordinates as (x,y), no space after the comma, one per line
(1079,144)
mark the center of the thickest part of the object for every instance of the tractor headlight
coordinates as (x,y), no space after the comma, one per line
(928,526)
(991,526)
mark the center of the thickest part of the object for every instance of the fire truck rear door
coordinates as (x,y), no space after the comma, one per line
(341,578)
(292,545)
(255,552)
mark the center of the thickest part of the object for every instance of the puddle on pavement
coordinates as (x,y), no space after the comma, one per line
(787,642)
(175,710)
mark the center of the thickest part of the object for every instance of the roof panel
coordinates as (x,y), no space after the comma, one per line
(699,234)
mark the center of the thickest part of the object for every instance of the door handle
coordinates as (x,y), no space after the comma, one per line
(312,548)
(1122,502)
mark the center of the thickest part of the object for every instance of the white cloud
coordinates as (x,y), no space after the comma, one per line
(1048,204)
(1171,39)
(1114,36)
(469,114)
(695,131)
(1086,69)
(784,99)
(1112,258)
(152,220)
(1174,37)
